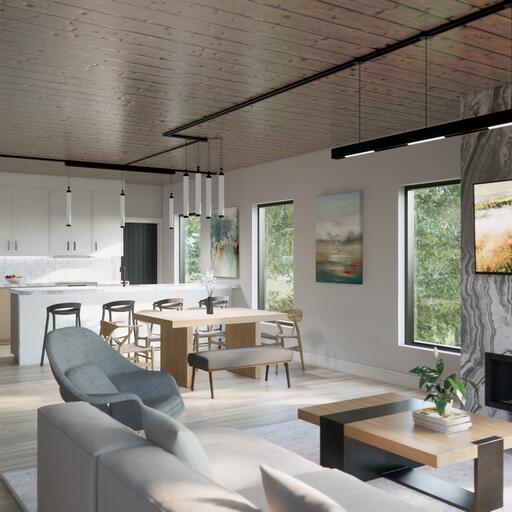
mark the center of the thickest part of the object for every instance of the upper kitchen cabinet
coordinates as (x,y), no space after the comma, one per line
(6,244)
(107,235)
(30,221)
(74,240)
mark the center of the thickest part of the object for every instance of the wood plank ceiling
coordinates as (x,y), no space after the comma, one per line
(102,80)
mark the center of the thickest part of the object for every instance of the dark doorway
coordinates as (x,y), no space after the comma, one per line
(140,253)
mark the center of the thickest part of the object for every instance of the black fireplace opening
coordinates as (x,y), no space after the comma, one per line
(498,381)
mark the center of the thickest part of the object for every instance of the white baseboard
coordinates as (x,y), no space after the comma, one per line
(362,370)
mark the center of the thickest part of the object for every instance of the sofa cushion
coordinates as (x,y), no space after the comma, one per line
(91,380)
(235,457)
(285,493)
(70,438)
(175,438)
(236,357)
(150,479)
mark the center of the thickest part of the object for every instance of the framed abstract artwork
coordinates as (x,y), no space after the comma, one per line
(224,243)
(339,238)
(493,227)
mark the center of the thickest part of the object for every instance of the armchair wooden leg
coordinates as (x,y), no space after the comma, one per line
(210,375)
(266,371)
(287,373)
(193,379)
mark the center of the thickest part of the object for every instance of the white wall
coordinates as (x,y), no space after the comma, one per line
(358,324)
(143,201)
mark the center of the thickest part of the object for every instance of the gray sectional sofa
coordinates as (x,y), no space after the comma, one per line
(89,462)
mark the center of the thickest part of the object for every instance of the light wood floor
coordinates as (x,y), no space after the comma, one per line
(240,402)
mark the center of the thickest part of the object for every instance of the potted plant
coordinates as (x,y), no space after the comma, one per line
(442,391)
(208,280)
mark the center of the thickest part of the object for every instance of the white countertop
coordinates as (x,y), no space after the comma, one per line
(134,288)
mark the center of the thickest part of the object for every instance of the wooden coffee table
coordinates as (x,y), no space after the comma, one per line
(375,436)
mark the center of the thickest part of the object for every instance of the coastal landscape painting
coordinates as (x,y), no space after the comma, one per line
(493,227)
(224,243)
(339,238)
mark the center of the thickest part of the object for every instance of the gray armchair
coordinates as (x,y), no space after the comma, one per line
(87,369)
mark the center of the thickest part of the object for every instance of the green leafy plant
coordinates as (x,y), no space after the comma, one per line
(443,391)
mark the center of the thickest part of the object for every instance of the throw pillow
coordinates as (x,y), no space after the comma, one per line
(175,438)
(91,380)
(285,493)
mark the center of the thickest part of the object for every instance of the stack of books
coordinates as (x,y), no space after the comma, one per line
(454,421)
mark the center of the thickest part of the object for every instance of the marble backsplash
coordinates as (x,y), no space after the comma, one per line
(45,270)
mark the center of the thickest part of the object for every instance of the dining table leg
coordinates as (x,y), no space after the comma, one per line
(244,335)
(175,345)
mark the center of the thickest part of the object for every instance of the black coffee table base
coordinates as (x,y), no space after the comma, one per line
(367,463)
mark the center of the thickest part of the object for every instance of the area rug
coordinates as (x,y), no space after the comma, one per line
(304,439)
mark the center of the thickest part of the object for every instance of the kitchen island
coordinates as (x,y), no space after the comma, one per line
(28,308)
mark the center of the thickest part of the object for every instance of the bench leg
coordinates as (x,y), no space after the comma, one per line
(193,378)
(210,375)
(287,373)
(266,371)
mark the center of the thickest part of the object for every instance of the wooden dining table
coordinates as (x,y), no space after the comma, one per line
(242,326)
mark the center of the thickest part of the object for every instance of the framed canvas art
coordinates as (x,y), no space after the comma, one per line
(493,227)
(224,243)
(339,238)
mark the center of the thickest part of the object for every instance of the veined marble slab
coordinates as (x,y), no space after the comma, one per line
(28,308)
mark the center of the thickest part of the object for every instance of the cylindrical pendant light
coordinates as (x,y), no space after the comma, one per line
(122,207)
(68,203)
(220,187)
(185,209)
(171,209)
(208,200)
(198,184)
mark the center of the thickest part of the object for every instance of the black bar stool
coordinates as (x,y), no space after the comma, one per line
(119,306)
(176,304)
(64,308)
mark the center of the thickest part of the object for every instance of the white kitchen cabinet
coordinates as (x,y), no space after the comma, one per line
(107,235)
(6,243)
(30,221)
(74,240)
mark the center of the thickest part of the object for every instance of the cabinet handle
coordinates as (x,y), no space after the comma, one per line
(68,245)
(95,246)
(15,245)
(74,246)
(8,245)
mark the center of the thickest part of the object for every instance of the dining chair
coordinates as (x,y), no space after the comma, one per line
(146,331)
(279,338)
(118,336)
(214,335)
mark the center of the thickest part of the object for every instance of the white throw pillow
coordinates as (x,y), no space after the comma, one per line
(175,438)
(285,493)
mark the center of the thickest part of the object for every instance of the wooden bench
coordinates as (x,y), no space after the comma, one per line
(235,358)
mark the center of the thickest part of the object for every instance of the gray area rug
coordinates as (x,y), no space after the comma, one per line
(304,439)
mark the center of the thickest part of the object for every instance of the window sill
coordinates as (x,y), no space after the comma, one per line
(431,349)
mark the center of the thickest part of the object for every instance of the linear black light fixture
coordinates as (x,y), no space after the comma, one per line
(427,134)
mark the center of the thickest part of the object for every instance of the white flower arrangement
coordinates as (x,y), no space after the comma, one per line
(209,281)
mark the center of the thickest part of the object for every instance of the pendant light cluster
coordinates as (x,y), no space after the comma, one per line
(198,189)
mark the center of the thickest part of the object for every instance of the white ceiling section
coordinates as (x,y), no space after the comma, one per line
(101,80)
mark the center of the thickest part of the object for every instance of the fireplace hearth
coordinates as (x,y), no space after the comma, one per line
(498,381)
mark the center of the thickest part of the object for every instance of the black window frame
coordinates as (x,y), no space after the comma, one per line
(408,281)
(260,281)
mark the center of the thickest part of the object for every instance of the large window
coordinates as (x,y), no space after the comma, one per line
(433,265)
(190,249)
(275,256)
